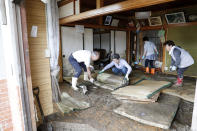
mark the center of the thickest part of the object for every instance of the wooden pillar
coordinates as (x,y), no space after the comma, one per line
(99,4)
(164,52)
(74,5)
(194,117)
(27,66)
(128,50)
(60,62)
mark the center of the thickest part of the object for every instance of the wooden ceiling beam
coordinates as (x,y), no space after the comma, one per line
(99,26)
(118,7)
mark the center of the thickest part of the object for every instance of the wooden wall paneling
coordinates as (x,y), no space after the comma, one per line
(40,65)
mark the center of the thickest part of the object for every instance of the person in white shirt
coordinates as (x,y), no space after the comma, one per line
(121,67)
(82,59)
(149,55)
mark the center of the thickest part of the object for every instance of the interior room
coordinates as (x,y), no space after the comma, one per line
(98,65)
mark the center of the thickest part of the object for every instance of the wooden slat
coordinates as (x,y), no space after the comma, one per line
(119,7)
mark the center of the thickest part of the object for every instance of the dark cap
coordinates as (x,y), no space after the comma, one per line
(115,56)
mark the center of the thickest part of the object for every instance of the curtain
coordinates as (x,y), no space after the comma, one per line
(53,45)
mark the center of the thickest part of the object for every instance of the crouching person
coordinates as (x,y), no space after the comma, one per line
(180,61)
(81,60)
(120,67)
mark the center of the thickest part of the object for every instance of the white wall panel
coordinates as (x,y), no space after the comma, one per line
(71,41)
(88,39)
(66,10)
(120,43)
(96,41)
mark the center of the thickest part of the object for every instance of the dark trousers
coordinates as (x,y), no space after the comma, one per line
(117,71)
(147,62)
(77,66)
(180,72)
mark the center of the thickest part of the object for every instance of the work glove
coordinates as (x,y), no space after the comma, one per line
(136,63)
(100,72)
(143,57)
(172,68)
(92,80)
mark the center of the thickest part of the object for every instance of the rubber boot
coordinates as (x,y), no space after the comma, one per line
(147,70)
(86,76)
(74,83)
(179,82)
(152,71)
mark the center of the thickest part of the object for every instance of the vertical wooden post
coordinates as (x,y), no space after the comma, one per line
(194,117)
(164,53)
(74,5)
(60,57)
(27,64)
(99,4)
(128,50)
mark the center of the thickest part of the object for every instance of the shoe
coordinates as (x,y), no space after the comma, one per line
(86,76)
(74,83)
(147,70)
(152,71)
(179,82)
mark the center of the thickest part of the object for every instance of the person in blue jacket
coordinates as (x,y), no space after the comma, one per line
(180,60)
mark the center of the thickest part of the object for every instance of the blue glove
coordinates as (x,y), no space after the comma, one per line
(136,63)
(143,57)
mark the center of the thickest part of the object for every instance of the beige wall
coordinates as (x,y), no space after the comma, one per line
(186,38)
(40,66)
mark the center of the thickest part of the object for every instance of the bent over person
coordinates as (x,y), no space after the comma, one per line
(120,66)
(81,60)
(180,60)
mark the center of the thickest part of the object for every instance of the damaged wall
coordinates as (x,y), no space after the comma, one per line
(40,66)
(186,38)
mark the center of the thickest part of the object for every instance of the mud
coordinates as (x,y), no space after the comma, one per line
(101,117)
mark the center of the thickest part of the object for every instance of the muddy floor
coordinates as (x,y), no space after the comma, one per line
(101,116)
